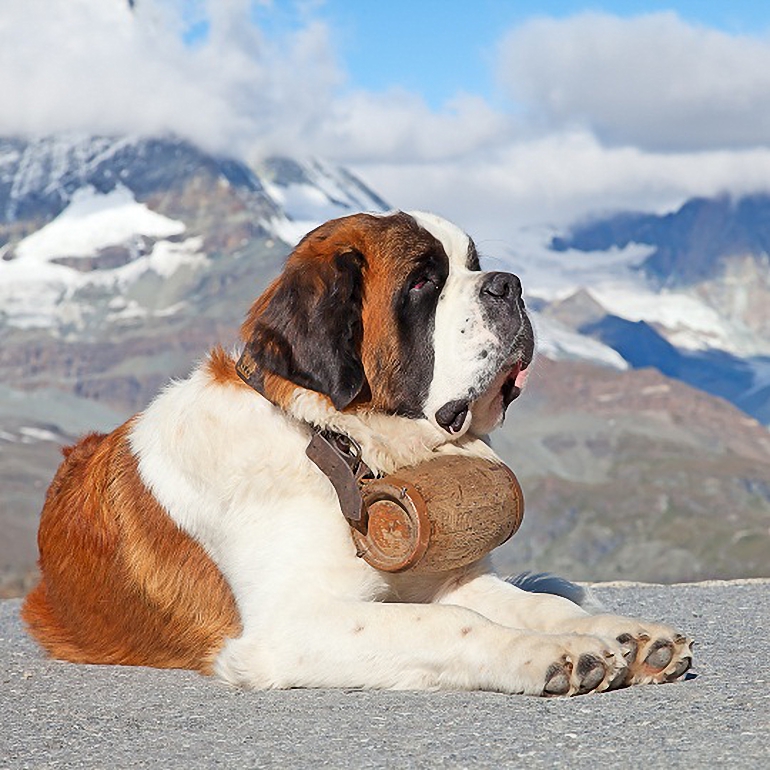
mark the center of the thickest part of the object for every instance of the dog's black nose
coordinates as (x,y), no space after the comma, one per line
(501,286)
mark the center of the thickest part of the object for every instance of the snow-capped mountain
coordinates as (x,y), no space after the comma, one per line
(89,225)
(635,287)
(122,260)
(311,193)
(38,178)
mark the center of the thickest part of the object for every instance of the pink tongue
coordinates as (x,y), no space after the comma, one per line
(521,376)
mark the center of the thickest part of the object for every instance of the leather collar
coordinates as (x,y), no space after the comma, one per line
(337,456)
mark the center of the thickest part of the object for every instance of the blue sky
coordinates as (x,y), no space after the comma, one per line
(441,47)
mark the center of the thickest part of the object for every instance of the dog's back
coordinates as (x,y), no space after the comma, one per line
(120,583)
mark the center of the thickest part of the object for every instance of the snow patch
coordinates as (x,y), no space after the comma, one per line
(557,342)
(326,193)
(93,221)
(614,282)
(305,208)
(35,292)
(554,275)
(691,324)
(29,434)
(760,375)
(165,259)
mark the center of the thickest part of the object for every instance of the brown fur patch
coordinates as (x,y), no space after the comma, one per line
(390,246)
(221,368)
(121,583)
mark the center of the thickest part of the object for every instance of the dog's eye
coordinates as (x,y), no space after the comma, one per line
(422,284)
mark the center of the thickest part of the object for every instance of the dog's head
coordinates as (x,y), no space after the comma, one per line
(392,314)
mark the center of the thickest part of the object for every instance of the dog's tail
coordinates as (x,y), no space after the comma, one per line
(546,583)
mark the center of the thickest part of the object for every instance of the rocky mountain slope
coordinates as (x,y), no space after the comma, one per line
(122,260)
(687,293)
(634,475)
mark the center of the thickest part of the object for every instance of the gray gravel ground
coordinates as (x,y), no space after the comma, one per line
(58,715)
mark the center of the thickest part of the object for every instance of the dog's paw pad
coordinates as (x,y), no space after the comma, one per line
(681,668)
(557,678)
(619,679)
(660,654)
(664,660)
(591,672)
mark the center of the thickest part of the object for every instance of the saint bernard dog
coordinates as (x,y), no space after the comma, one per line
(199,535)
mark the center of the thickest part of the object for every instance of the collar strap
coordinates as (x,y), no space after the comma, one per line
(337,456)
(249,372)
(339,459)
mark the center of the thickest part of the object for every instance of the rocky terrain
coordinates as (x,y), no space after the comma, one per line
(123,260)
(633,475)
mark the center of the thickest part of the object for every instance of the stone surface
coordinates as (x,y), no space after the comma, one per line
(62,715)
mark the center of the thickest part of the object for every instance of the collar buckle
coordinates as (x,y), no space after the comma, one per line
(339,458)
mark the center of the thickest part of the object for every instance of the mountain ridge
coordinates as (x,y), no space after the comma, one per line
(691,298)
(690,244)
(174,245)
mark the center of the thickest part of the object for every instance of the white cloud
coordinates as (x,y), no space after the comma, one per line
(653,81)
(618,113)
(91,65)
(559,178)
(398,127)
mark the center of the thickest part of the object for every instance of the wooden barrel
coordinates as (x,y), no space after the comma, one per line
(438,515)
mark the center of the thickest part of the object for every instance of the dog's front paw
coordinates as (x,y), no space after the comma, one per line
(656,653)
(653,652)
(582,664)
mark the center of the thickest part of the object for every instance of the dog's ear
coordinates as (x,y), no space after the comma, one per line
(307,329)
